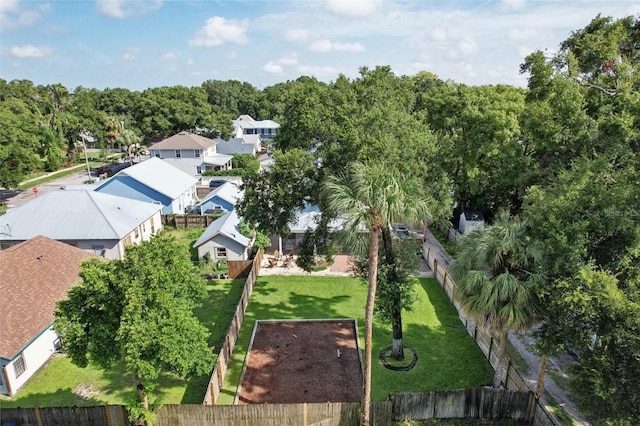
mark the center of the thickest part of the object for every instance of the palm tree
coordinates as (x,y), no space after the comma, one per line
(129,140)
(497,271)
(372,197)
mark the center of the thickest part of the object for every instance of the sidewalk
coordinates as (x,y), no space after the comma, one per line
(522,343)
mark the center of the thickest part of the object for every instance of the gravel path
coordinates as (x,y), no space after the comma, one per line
(522,343)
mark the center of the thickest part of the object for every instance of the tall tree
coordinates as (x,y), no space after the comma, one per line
(138,312)
(498,272)
(372,197)
(129,141)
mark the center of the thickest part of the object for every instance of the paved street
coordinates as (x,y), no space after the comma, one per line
(14,198)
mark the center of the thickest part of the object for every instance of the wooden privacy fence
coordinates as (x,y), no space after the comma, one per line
(224,356)
(485,341)
(108,415)
(486,403)
(187,220)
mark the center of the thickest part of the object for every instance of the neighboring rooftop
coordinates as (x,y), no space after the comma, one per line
(226,225)
(75,215)
(184,140)
(160,176)
(236,146)
(35,275)
(227,192)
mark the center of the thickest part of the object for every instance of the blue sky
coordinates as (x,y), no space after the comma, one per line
(139,44)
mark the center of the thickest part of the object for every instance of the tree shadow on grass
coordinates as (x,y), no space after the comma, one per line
(58,398)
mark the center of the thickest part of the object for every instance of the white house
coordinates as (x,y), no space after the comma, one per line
(223,240)
(223,198)
(154,181)
(36,274)
(102,224)
(470,220)
(246,125)
(191,153)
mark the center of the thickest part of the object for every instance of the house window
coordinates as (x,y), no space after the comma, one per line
(127,241)
(178,153)
(197,153)
(98,250)
(137,233)
(198,170)
(221,252)
(19,366)
(153,228)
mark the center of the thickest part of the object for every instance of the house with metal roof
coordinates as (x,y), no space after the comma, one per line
(100,223)
(246,125)
(36,274)
(154,181)
(191,153)
(223,240)
(246,144)
(222,199)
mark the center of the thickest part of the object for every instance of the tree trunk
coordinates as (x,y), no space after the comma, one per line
(541,372)
(397,347)
(142,395)
(368,321)
(499,376)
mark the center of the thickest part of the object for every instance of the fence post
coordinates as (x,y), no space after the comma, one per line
(490,346)
(435,268)
(506,378)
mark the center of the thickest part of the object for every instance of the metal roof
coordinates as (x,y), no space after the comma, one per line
(217,159)
(161,176)
(247,122)
(236,146)
(227,192)
(226,225)
(75,215)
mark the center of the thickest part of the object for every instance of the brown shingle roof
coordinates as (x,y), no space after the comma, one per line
(184,140)
(34,275)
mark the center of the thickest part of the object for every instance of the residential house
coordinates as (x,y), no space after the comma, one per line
(470,220)
(36,274)
(191,153)
(100,223)
(306,219)
(246,144)
(246,125)
(222,199)
(223,240)
(154,181)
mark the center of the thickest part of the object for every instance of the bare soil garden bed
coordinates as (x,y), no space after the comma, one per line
(295,361)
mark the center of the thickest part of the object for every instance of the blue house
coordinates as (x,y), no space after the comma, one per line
(220,200)
(154,181)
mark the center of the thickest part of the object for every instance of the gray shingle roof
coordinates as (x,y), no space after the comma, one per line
(75,215)
(227,191)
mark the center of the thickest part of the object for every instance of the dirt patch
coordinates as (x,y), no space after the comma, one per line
(302,361)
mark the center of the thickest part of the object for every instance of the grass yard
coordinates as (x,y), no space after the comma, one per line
(60,383)
(448,357)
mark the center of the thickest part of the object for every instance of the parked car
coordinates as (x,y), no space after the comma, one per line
(214,183)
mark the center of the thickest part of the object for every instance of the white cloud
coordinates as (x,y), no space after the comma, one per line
(467,46)
(325,46)
(439,34)
(513,4)
(272,68)
(190,61)
(30,51)
(317,71)
(522,34)
(168,56)
(298,35)
(14,15)
(277,66)
(121,9)
(353,8)
(218,31)
(130,54)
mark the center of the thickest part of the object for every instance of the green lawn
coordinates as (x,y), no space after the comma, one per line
(448,357)
(59,383)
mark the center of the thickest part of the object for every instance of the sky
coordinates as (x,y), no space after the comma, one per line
(137,44)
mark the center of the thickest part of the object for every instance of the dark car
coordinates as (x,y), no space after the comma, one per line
(214,183)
